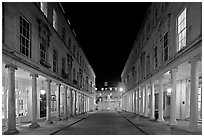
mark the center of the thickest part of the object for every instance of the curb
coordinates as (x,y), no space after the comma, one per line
(68,125)
(145,132)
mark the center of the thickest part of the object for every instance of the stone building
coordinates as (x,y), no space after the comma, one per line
(45,72)
(164,69)
(108,98)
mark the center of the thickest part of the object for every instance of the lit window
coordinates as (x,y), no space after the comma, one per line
(24,36)
(43,7)
(181,21)
(43,50)
(165,47)
(54,19)
(155,57)
(55,60)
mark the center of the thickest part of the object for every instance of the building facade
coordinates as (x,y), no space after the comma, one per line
(164,69)
(45,72)
(109,98)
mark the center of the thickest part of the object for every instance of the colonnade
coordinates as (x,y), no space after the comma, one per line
(79,102)
(144,97)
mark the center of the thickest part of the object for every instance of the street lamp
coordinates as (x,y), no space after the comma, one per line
(121,89)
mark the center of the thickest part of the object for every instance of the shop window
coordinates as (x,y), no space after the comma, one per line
(181,28)
(43,7)
(24,36)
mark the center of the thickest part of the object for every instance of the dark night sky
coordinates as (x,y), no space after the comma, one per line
(106,32)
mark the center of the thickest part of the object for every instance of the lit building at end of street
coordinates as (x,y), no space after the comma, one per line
(108,98)
(163,74)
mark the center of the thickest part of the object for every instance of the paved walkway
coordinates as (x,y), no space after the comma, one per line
(159,128)
(47,129)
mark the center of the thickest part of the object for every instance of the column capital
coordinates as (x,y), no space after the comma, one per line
(33,75)
(174,70)
(11,66)
(195,59)
(58,84)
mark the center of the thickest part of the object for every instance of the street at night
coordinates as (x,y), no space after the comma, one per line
(101,68)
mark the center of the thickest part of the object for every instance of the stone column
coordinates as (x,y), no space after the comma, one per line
(138,101)
(48,101)
(58,102)
(160,99)
(173,97)
(187,107)
(65,103)
(146,100)
(135,105)
(71,102)
(141,102)
(11,101)
(194,95)
(152,101)
(75,102)
(34,122)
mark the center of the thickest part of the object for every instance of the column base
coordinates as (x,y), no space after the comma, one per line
(49,122)
(59,119)
(160,120)
(11,132)
(34,125)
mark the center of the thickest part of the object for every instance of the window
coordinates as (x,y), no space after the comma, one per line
(43,7)
(69,43)
(77,55)
(74,74)
(74,51)
(43,51)
(64,35)
(80,60)
(63,65)
(24,36)
(55,56)
(54,19)
(155,57)
(148,65)
(165,47)
(181,30)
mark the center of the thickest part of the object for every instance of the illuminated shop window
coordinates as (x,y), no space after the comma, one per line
(43,7)
(24,36)
(181,21)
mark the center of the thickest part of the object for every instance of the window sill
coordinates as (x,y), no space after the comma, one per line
(47,65)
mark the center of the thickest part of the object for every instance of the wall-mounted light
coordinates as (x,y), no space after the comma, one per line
(121,89)
(42,90)
(169,91)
